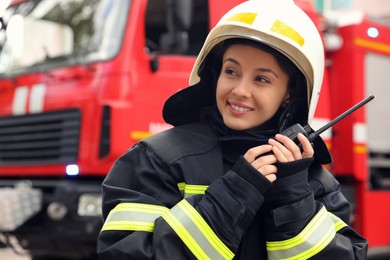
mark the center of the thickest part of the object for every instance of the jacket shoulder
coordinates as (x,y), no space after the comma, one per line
(181,141)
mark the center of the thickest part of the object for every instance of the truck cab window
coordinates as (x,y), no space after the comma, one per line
(85,31)
(165,34)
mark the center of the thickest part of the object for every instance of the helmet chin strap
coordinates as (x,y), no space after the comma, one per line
(291,114)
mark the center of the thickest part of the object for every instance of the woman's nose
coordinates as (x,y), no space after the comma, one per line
(242,89)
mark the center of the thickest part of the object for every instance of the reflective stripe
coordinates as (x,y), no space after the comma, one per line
(285,30)
(338,223)
(313,238)
(359,133)
(133,217)
(139,135)
(188,190)
(247,18)
(362,149)
(196,233)
(360,138)
(373,45)
(181,186)
(19,103)
(37,98)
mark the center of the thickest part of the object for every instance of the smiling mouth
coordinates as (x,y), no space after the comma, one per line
(240,109)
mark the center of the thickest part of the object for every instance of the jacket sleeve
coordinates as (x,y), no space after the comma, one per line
(307,216)
(146,216)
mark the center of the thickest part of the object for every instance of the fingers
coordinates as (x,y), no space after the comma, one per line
(286,150)
(271,177)
(307,147)
(257,151)
(269,171)
(263,162)
(282,149)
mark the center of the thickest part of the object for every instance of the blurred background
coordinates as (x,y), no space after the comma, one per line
(83,80)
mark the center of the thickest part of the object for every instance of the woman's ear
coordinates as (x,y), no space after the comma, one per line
(286,100)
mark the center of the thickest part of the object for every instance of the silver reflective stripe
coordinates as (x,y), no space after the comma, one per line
(310,241)
(196,233)
(133,217)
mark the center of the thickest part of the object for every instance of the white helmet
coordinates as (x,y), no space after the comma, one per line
(279,24)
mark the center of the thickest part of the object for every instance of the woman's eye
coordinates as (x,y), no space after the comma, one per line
(262,79)
(230,71)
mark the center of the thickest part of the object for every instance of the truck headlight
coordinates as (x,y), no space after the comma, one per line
(90,204)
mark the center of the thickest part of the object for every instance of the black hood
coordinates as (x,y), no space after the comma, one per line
(187,105)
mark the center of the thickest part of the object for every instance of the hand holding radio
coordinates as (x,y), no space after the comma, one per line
(293,131)
(291,144)
(287,150)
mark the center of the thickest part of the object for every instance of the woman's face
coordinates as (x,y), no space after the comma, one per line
(250,88)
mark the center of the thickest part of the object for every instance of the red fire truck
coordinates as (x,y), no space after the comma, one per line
(361,142)
(83,80)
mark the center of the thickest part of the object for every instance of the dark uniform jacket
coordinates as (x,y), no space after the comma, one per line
(181,194)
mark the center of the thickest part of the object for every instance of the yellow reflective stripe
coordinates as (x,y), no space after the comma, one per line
(319,246)
(338,223)
(373,45)
(285,30)
(207,231)
(360,148)
(133,217)
(181,186)
(191,189)
(129,226)
(195,189)
(195,233)
(301,237)
(313,238)
(247,18)
(139,135)
(185,236)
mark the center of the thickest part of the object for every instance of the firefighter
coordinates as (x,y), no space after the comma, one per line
(223,183)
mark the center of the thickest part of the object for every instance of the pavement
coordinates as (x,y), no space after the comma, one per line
(6,253)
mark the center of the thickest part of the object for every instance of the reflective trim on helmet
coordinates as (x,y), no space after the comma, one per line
(188,190)
(320,231)
(285,30)
(196,233)
(247,18)
(133,217)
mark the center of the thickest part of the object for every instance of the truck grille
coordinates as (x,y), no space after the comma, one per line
(51,137)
